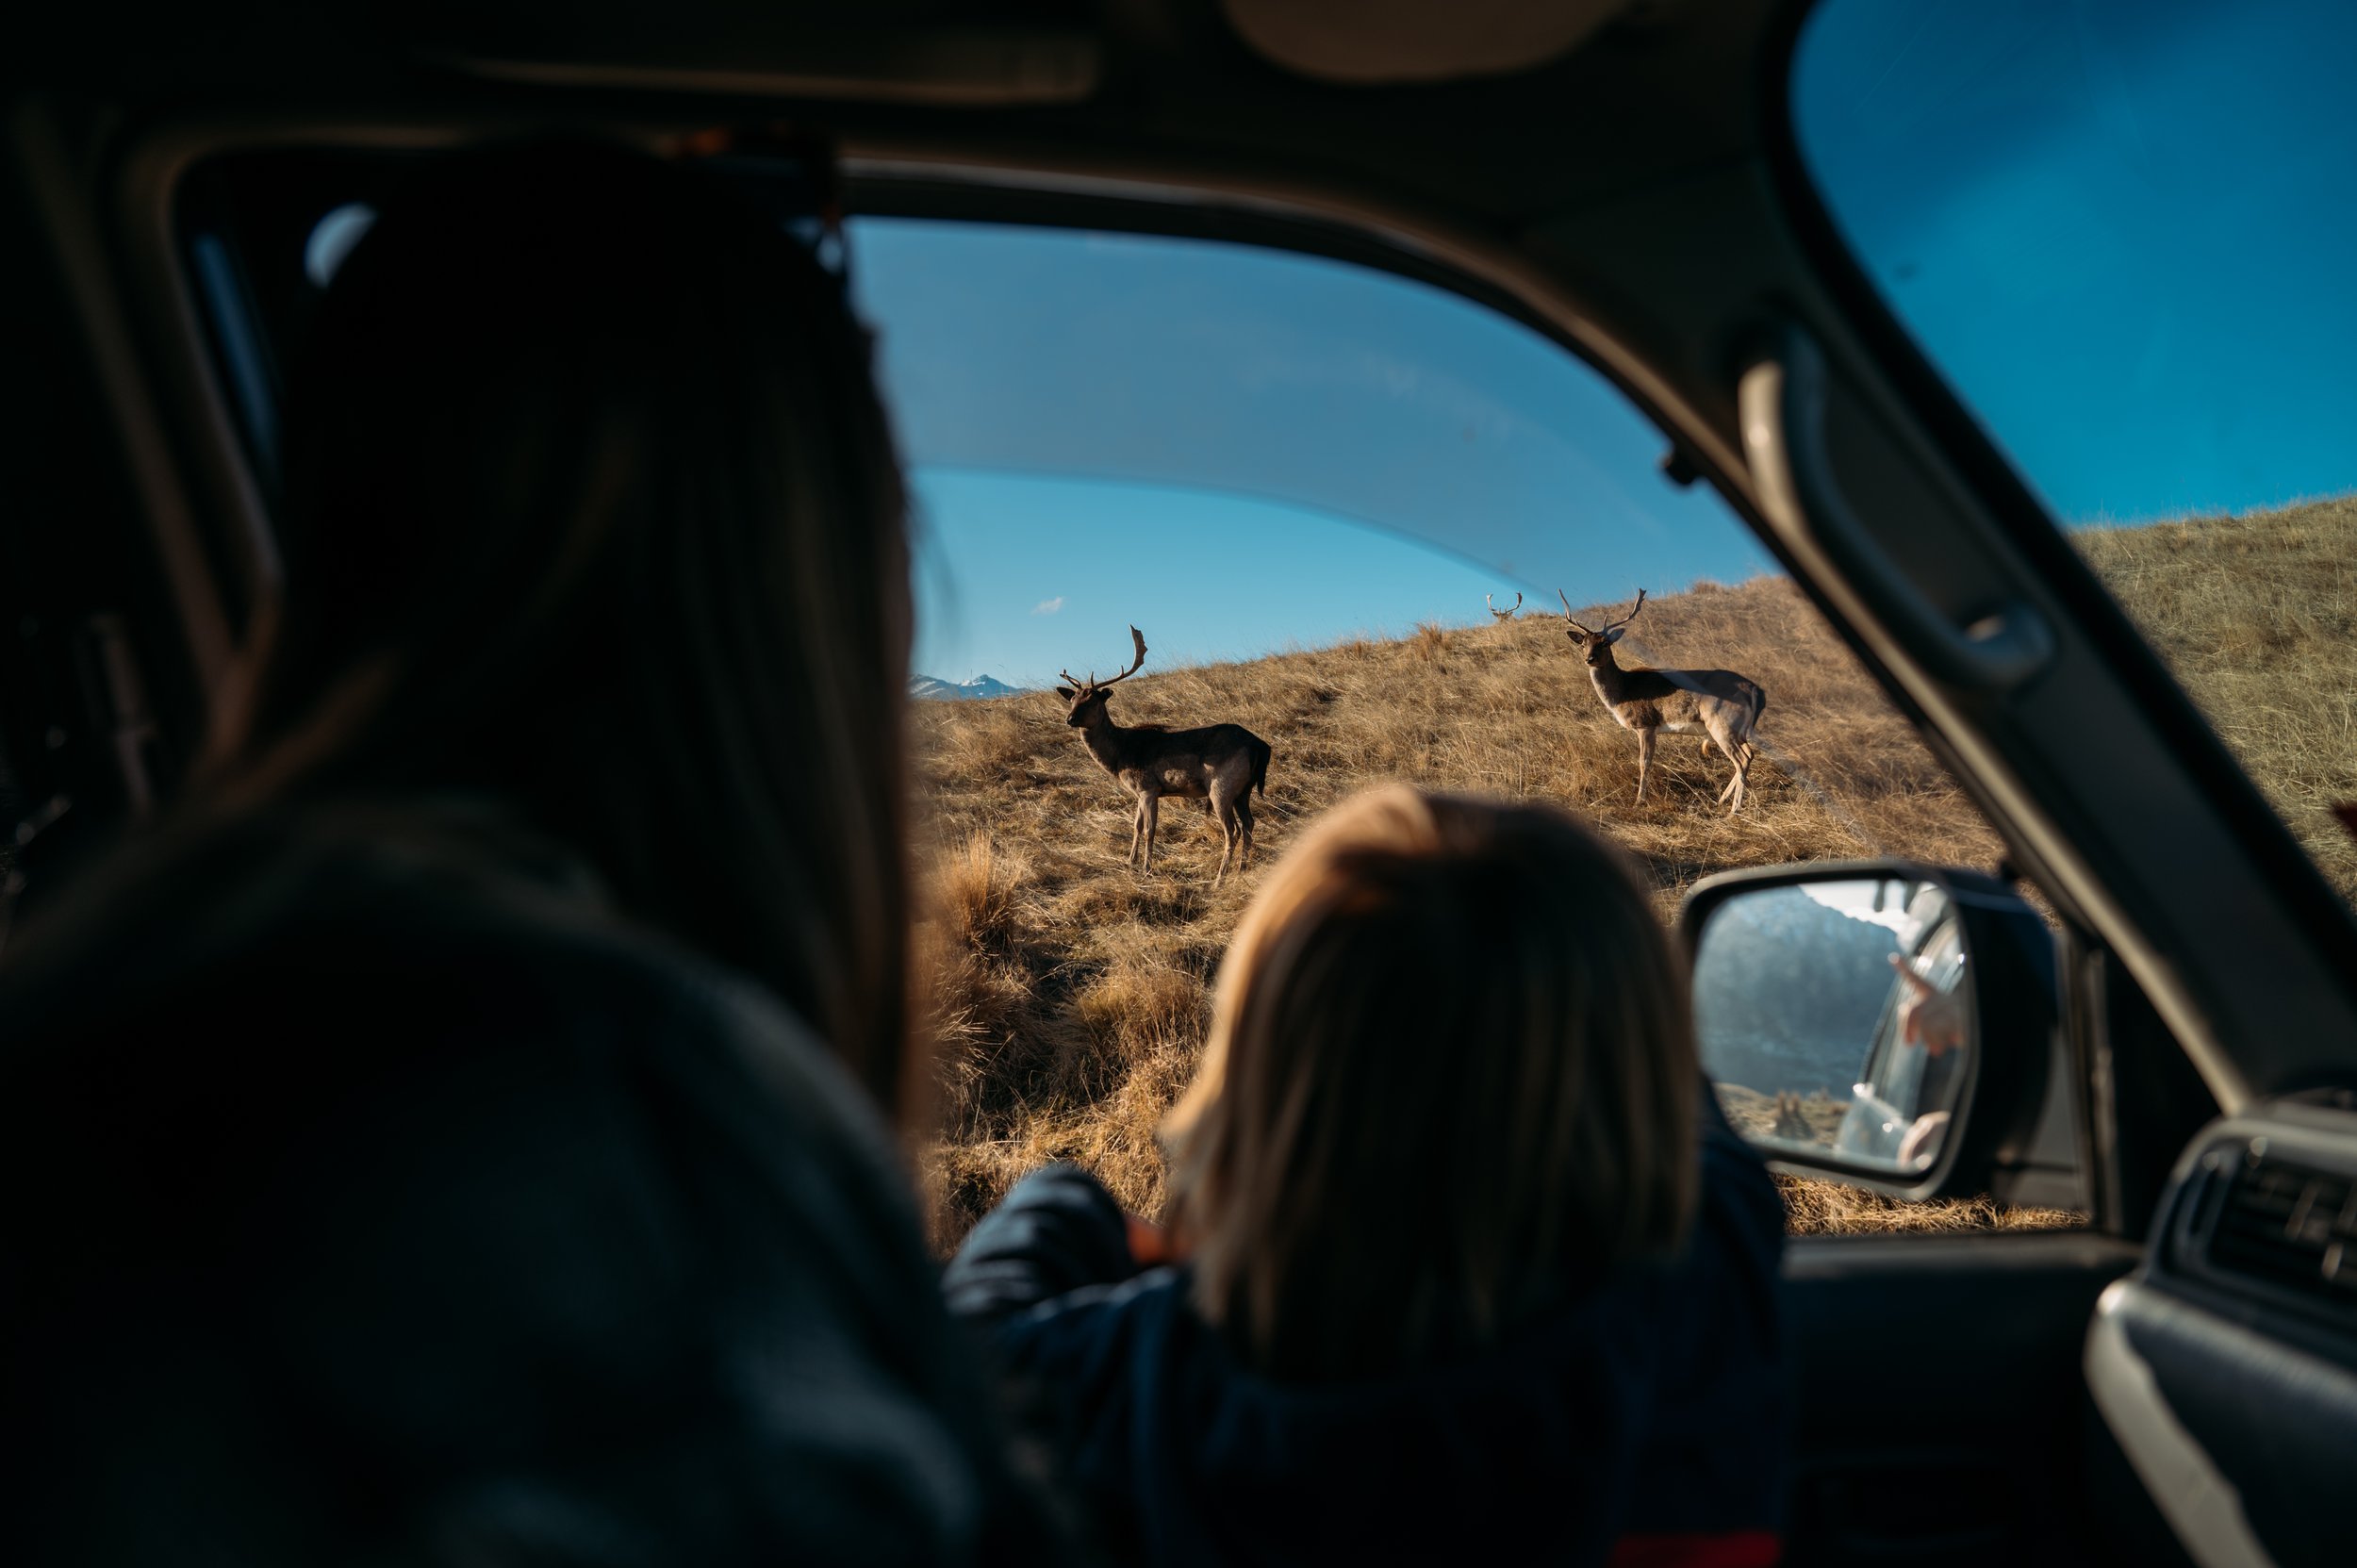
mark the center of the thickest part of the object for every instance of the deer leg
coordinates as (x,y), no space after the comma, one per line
(1244,827)
(1644,759)
(1744,752)
(1153,813)
(1137,829)
(1737,754)
(1230,811)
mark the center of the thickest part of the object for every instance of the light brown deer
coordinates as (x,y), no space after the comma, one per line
(1219,764)
(1496,614)
(1723,704)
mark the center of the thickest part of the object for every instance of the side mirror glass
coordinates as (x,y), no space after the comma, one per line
(1834,1016)
(1844,1015)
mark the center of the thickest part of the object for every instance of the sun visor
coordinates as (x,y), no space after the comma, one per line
(1376,41)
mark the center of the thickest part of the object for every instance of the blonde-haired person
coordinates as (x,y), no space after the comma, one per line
(1468,1263)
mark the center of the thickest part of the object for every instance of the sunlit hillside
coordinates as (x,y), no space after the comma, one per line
(1071,997)
(1072,991)
(2258,616)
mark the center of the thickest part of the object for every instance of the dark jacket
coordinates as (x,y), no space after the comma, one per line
(371,1193)
(1641,1421)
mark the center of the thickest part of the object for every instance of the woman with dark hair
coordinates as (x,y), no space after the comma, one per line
(462,1132)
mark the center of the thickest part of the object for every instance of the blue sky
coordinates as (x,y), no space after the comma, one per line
(1242,451)
(2124,230)
(1206,575)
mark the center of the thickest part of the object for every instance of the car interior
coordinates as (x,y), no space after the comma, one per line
(2162,986)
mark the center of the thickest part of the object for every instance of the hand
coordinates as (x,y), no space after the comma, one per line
(1922,1140)
(1928,1017)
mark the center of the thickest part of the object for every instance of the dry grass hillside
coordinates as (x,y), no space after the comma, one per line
(1071,995)
(2238,604)
(1071,998)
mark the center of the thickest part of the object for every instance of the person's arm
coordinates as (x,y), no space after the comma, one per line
(1928,1017)
(1057,1230)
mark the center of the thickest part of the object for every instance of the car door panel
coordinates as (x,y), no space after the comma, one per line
(1936,1398)
(2226,1368)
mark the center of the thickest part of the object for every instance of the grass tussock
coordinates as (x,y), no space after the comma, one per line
(1815,1208)
(1070,994)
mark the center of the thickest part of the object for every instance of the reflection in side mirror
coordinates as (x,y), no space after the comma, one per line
(1837,1018)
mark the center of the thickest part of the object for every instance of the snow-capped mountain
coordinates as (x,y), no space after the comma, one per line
(931,689)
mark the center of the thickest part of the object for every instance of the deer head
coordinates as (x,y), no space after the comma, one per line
(1086,699)
(1596,646)
(1503,615)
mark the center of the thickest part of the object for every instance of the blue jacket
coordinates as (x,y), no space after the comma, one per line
(1640,1421)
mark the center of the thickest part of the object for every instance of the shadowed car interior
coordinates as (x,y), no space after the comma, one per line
(2150,984)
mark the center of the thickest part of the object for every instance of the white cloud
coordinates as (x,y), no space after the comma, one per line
(1048,606)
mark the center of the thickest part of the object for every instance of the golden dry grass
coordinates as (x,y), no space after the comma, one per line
(1836,1209)
(2257,614)
(1072,994)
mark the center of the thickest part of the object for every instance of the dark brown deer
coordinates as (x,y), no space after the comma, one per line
(1220,763)
(1723,704)
(1791,1123)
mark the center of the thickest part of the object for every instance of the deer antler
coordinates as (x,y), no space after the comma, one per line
(1567,616)
(1502,615)
(1632,612)
(1138,640)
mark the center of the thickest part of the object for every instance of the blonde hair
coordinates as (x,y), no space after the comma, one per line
(1451,1073)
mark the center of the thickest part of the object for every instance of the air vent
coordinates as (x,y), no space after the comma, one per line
(2292,1227)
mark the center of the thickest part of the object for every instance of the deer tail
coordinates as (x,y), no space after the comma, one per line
(1262,751)
(1759,702)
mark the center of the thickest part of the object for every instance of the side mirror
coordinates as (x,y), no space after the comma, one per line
(1887,1023)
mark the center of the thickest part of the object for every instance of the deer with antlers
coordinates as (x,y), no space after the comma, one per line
(1723,704)
(1219,764)
(1496,614)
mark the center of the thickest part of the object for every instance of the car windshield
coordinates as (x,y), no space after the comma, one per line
(2122,230)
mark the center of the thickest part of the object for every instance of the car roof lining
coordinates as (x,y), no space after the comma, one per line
(1164,79)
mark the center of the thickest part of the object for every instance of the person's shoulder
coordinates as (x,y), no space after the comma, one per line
(1721,1287)
(1737,1192)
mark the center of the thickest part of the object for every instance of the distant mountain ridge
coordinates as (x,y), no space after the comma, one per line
(932,689)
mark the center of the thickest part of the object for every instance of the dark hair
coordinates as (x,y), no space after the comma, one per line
(592,507)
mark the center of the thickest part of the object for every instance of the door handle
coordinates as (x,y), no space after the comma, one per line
(1781,402)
